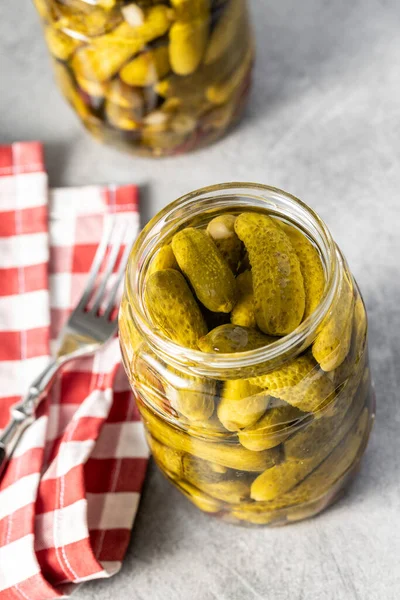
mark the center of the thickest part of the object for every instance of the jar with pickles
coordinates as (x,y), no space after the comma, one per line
(244,336)
(154,77)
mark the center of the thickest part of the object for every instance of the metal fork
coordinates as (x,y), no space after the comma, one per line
(85,332)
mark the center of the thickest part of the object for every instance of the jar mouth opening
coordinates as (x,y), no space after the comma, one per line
(215,198)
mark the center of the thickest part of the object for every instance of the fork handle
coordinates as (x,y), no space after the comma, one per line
(23,414)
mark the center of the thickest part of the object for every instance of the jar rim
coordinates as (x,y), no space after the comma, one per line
(214,198)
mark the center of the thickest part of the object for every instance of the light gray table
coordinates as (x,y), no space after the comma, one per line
(323,123)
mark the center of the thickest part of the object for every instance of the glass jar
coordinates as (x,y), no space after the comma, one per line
(153,77)
(280,464)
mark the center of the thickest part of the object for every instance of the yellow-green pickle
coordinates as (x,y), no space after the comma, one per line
(244,336)
(152,77)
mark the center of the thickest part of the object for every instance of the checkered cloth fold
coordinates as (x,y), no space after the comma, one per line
(70,493)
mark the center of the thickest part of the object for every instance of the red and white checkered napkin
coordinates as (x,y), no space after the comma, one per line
(70,493)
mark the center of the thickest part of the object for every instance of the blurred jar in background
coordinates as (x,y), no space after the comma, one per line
(153,77)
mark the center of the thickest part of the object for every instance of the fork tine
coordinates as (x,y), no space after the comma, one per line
(119,276)
(112,259)
(96,264)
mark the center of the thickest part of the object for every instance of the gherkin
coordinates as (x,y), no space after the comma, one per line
(279,297)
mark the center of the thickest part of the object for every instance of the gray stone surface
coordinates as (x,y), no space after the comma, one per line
(323,123)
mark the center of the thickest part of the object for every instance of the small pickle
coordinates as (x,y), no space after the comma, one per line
(147,68)
(108,53)
(282,478)
(227,28)
(301,383)
(310,265)
(88,23)
(273,428)
(278,283)
(227,491)
(329,471)
(232,456)
(310,439)
(163,259)
(257,514)
(191,396)
(170,460)
(173,309)
(222,231)
(232,338)
(345,372)
(207,271)
(93,88)
(333,342)
(188,35)
(338,462)
(61,45)
(241,404)
(121,118)
(243,312)
(126,97)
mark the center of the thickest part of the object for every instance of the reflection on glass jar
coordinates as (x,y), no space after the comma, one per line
(151,77)
(244,336)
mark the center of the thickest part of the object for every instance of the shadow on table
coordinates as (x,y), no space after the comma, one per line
(302,46)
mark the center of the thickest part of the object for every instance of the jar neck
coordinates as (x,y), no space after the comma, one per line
(212,200)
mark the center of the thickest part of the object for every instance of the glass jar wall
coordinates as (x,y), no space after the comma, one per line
(153,77)
(263,433)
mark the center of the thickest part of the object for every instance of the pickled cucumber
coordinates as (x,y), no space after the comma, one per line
(61,46)
(230,455)
(301,383)
(227,28)
(188,35)
(222,231)
(273,428)
(333,468)
(147,68)
(191,396)
(243,312)
(108,53)
(201,262)
(173,309)
(279,295)
(282,478)
(163,259)
(333,342)
(122,118)
(125,96)
(227,491)
(170,460)
(241,404)
(311,268)
(310,439)
(232,338)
